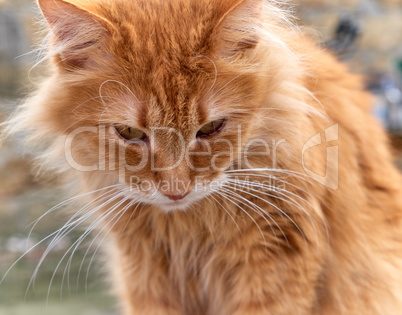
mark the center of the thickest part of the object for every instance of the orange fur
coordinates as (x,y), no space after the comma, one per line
(182,64)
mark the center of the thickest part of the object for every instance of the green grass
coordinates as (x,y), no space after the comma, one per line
(69,307)
(78,299)
(81,299)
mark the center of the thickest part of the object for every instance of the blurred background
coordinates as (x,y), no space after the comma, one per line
(366,34)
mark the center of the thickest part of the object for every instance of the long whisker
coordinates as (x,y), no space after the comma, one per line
(122,212)
(280,191)
(292,202)
(227,194)
(269,188)
(262,212)
(258,210)
(58,235)
(80,239)
(26,253)
(224,208)
(233,173)
(61,204)
(276,179)
(276,207)
(274,170)
(93,241)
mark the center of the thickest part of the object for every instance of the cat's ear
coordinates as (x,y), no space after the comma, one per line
(237,29)
(77,34)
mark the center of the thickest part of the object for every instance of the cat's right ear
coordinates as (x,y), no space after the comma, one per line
(77,33)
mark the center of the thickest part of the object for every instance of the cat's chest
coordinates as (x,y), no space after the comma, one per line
(194,269)
(182,256)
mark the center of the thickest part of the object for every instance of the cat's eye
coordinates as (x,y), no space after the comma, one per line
(131,134)
(211,128)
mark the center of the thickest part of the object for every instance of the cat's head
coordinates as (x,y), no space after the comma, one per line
(161,96)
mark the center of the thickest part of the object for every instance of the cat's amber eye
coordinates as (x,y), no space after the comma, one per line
(131,134)
(211,128)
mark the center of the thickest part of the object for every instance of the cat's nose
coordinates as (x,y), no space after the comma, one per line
(177,197)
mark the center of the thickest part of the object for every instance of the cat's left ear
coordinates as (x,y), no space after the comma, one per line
(237,29)
(78,35)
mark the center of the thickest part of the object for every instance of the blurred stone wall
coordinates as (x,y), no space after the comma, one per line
(379,46)
(17,28)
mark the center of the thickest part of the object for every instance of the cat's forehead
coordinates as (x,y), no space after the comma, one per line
(167,30)
(166,53)
(183,117)
(175,101)
(165,44)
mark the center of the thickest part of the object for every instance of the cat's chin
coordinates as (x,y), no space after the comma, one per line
(162,203)
(186,204)
(180,205)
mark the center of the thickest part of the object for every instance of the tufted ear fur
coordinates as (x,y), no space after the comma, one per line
(77,35)
(237,30)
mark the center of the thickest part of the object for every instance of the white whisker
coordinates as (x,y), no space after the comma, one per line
(66,229)
(81,238)
(227,211)
(277,208)
(228,193)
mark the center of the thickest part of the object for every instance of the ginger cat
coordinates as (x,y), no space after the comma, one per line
(233,162)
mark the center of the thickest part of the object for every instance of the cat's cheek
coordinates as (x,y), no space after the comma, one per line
(199,164)
(221,161)
(131,163)
(216,160)
(133,157)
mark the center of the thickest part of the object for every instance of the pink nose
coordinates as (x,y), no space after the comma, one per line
(177,197)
